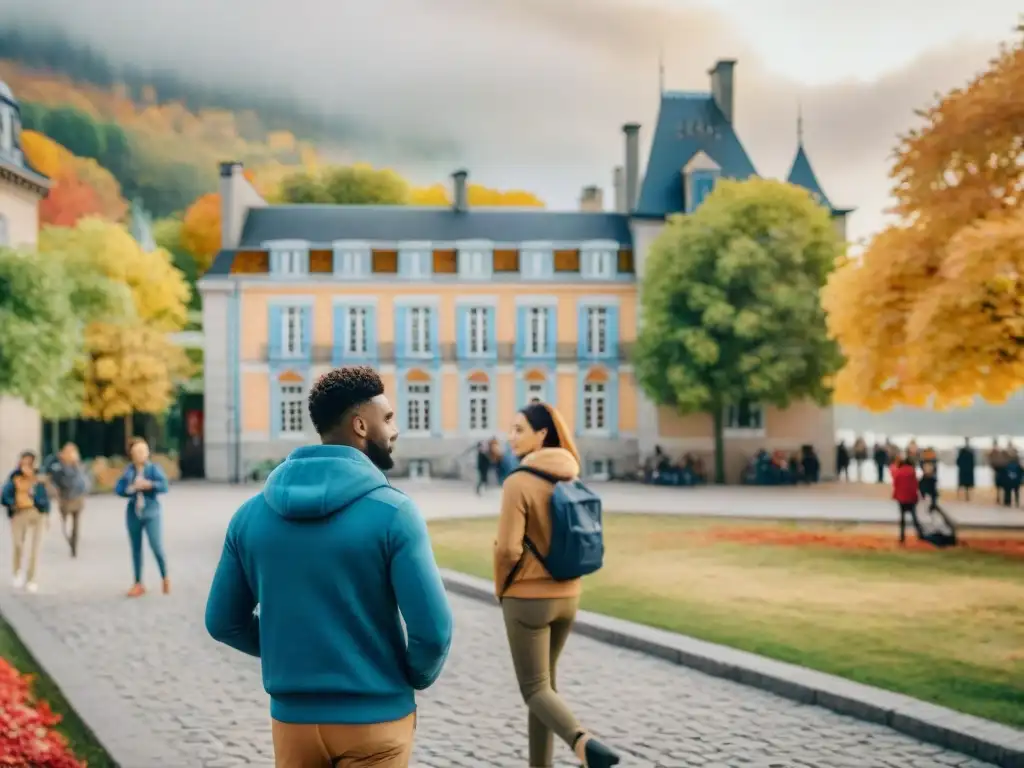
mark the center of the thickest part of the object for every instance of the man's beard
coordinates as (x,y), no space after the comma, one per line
(379,455)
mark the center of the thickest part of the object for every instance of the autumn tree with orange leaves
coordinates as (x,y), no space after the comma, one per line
(933,311)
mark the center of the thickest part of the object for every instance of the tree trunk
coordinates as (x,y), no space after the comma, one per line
(719,420)
(128,434)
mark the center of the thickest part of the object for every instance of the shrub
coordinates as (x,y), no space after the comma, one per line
(26,726)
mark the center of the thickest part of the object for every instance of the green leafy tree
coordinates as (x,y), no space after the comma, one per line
(346,185)
(731,304)
(75,130)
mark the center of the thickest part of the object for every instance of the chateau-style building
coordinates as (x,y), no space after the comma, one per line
(21,189)
(469,313)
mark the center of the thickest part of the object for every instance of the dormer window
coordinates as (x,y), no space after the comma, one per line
(288,259)
(475,260)
(536,260)
(352,259)
(598,260)
(415,260)
(699,178)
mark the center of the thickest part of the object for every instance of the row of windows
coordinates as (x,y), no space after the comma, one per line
(418,414)
(604,262)
(419,339)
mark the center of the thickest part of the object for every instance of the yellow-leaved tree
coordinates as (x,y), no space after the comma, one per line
(933,311)
(476,194)
(131,365)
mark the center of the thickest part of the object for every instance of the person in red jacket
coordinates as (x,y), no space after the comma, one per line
(906,493)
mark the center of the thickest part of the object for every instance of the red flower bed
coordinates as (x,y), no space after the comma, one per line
(857,541)
(27,737)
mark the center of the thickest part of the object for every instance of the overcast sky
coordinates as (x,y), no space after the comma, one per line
(532,93)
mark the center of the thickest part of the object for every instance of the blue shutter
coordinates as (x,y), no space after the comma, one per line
(492,335)
(307,333)
(613,332)
(371,333)
(401,335)
(521,334)
(275,405)
(581,331)
(520,391)
(461,333)
(400,395)
(611,403)
(435,405)
(580,376)
(434,339)
(552,332)
(338,347)
(274,333)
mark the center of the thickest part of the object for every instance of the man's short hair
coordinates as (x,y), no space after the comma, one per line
(339,391)
(28,455)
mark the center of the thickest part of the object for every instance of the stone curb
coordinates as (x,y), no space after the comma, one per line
(984,739)
(125,738)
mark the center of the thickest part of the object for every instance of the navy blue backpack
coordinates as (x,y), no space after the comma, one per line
(577,536)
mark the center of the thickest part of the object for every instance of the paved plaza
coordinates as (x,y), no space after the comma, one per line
(166,695)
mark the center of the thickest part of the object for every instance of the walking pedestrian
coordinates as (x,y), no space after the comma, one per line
(142,483)
(843,461)
(336,558)
(71,480)
(1013,474)
(27,501)
(483,466)
(860,455)
(997,461)
(965,461)
(905,492)
(538,610)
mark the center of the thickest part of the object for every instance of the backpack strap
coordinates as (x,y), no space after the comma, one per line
(528,545)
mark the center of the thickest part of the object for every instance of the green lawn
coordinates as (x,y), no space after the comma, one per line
(81,739)
(943,626)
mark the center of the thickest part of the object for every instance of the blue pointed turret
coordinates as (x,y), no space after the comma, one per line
(802,174)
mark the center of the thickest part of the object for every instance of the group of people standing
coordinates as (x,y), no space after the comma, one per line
(28,492)
(1005,462)
(329,537)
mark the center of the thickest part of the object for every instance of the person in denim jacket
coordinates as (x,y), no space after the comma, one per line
(141,484)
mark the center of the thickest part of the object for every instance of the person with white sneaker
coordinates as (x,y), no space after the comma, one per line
(28,503)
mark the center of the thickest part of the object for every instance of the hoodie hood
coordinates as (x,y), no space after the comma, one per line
(317,481)
(555,461)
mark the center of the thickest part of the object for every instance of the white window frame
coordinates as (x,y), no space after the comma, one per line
(537,319)
(473,262)
(357,331)
(290,262)
(420,343)
(418,401)
(597,331)
(602,265)
(535,389)
(532,265)
(419,263)
(598,469)
(291,410)
(755,427)
(6,129)
(595,407)
(351,263)
(478,407)
(477,331)
(419,469)
(292,319)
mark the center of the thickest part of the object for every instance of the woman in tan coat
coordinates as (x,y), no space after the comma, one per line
(539,611)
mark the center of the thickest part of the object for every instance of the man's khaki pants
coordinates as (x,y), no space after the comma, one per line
(27,526)
(382,745)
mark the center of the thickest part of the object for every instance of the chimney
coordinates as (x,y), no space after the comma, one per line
(632,131)
(722,86)
(618,183)
(230,216)
(460,199)
(592,199)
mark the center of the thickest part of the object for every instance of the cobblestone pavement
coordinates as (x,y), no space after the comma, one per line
(204,705)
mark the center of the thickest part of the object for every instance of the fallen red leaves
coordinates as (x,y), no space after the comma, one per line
(27,737)
(855,541)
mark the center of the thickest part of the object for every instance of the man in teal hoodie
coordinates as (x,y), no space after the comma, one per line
(334,558)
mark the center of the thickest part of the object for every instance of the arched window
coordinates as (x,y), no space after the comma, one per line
(479,401)
(417,402)
(595,400)
(292,403)
(536,386)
